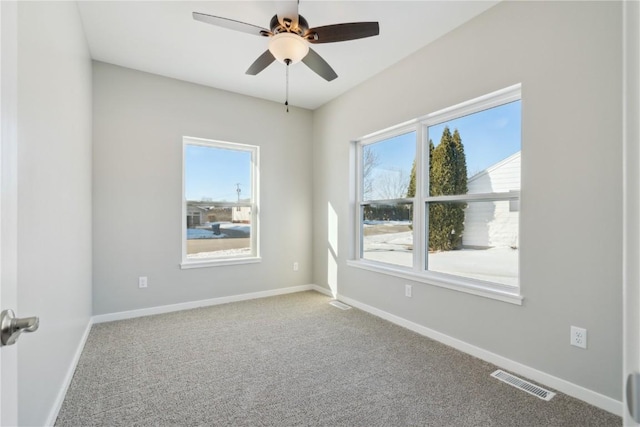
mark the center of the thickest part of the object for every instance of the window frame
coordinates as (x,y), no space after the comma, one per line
(419,272)
(253,204)
(402,129)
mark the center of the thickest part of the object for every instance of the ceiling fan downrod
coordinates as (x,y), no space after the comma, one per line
(286,101)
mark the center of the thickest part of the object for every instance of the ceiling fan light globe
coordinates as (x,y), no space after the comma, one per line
(288,46)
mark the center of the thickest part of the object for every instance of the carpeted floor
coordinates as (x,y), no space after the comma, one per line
(293,360)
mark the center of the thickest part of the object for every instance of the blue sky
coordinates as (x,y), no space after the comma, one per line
(212,173)
(488,137)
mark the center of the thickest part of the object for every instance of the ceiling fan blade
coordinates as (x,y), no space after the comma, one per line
(342,32)
(287,11)
(261,63)
(319,65)
(231,24)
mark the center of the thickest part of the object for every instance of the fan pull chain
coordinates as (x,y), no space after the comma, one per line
(286,102)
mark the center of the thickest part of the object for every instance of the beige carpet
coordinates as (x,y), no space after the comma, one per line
(293,360)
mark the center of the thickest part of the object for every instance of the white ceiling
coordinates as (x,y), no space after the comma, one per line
(161,37)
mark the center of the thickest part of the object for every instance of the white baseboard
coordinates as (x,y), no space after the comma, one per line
(322,290)
(596,399)
(110,317)
(55,410)
(566,387)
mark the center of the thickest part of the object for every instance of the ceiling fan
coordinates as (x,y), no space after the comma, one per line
(290,37)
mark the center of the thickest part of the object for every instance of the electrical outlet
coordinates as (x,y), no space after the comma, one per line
(142,281)
(578,337)
(407,290)
(295,266)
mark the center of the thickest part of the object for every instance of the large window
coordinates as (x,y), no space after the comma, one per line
(439,198)
(220,209)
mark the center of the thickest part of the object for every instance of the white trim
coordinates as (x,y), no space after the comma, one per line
(208,262)
(420,213)
(481,103)
(9,200)
(419,270)
(191,140)
(121,315)
(599,400)
(390,132)
(55,409)
(630,192)
(484,102)
(57,405)
(566,387)
(471,197)
(322,290)
(496,291)
(254,203)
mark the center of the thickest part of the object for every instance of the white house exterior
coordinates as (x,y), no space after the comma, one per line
(493,224)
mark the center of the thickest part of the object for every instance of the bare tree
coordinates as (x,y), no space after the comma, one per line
(370,160)
(392,184)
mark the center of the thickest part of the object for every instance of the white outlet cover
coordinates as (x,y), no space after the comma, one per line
(407,290)
(578,337)
(142,282)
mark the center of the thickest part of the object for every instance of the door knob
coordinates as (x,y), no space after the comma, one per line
(11,327)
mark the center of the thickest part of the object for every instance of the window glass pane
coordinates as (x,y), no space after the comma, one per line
(216,178)
(387,233)
(476,239)
(478,153)
(217,174)
(387,167)
(219,232)
(467,195)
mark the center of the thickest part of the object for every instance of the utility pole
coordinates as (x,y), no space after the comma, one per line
(238,190)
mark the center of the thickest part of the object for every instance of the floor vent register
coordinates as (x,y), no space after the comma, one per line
(340,305)
(523,385)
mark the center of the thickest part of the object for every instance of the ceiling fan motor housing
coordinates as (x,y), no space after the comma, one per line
(286,26)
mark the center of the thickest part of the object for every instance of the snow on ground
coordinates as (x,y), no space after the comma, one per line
(402,238)
(232,229)
(384,222)
(498,265)
(226,252)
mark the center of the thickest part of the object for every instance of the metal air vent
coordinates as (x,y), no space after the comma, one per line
(340,305)
(523,385)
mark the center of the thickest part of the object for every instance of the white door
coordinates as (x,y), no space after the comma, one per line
(8,204)
(631,231)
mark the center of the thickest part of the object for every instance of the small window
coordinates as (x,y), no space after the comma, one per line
(439,197)
(220,223)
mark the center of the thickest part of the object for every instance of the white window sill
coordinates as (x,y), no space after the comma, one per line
(475,287)
(204,263)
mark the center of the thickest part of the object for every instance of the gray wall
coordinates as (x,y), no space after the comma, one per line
(567,55)
(139,122)
(54,200)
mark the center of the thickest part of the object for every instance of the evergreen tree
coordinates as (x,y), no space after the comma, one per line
(431,148)
(447,176)
(461,164)
(411,190)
